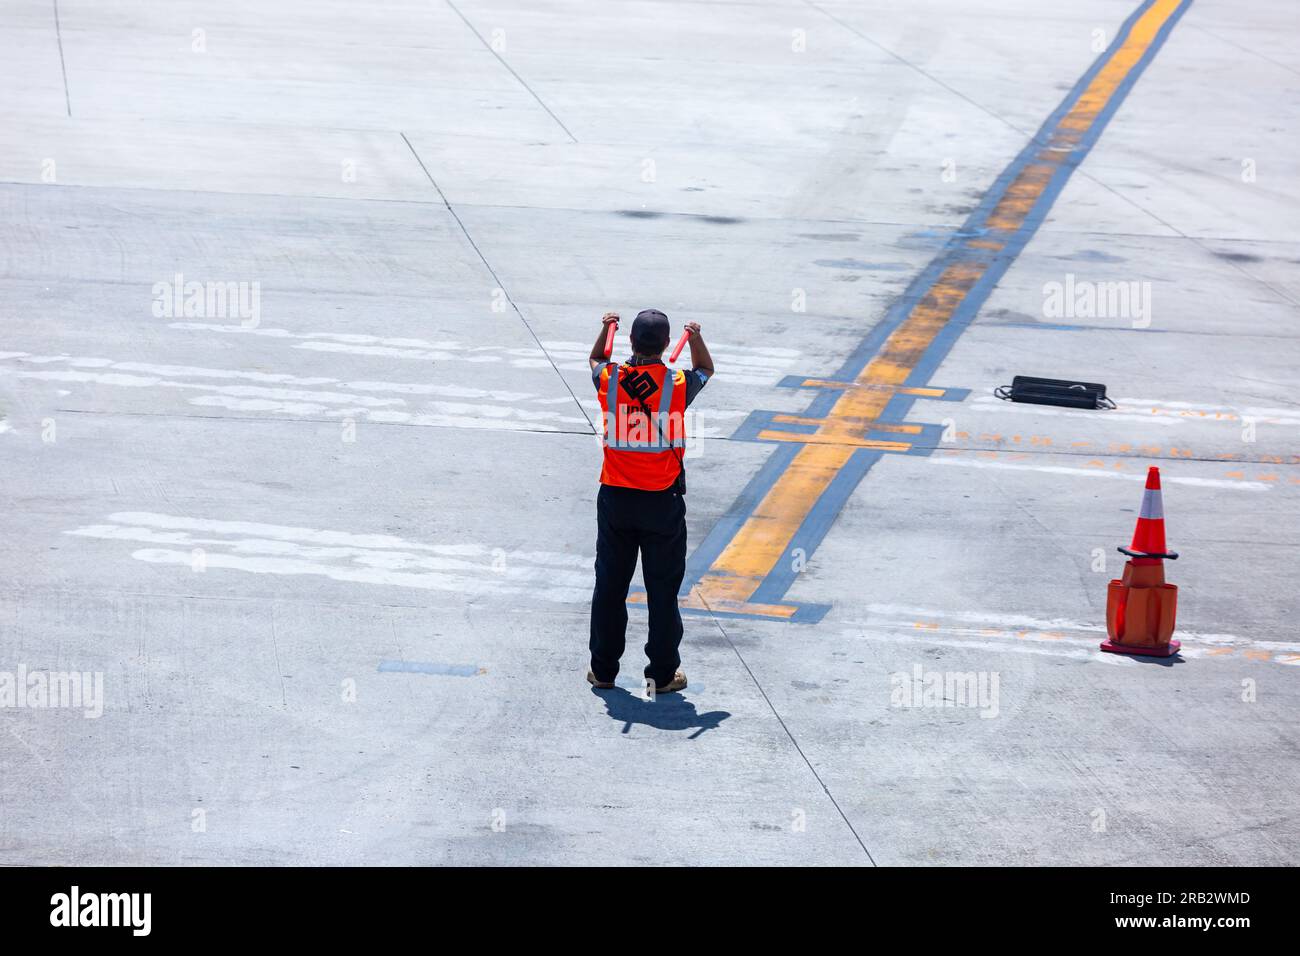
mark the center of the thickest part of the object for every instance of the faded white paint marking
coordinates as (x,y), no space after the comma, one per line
(237,391)
(922,621)
(455,406)
(1192,411)
(1229,483)
(1147,411)
(467,568)
(889,633)
(745,365)
(1111,417)
(981,617)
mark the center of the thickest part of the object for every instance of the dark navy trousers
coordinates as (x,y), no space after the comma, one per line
(652,524)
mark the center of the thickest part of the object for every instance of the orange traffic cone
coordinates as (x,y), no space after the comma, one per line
(1140,608)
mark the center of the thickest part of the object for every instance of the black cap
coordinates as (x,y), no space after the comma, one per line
(650,332)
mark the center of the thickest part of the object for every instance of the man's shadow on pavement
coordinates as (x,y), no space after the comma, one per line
(665,712)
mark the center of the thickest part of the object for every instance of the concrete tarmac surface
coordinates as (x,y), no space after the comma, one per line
(299,469)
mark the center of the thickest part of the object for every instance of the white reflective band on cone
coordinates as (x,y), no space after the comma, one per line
(1153,506)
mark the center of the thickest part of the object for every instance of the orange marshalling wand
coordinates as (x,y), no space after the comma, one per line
(609,339)
(680,343)
(1140,608)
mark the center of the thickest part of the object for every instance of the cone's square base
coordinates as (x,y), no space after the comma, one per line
(1167,650)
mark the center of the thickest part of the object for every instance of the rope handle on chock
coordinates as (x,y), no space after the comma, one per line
(1170,556)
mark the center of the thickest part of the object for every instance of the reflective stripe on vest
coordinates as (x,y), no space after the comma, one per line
(661,418)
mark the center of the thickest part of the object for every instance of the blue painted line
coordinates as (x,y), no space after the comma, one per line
(803,614)
(704,556)
(814,527)
(824,511)
(425,667)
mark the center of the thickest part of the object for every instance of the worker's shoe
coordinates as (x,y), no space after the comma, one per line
(673,686)
(599,684)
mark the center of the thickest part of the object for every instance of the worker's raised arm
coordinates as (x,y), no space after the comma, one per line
(701,360)
(598,356)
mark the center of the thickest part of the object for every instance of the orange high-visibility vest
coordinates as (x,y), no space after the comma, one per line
(642,452)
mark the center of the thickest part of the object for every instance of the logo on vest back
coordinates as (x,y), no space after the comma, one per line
(639,385)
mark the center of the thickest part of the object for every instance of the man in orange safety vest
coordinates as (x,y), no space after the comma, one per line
(640,507)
